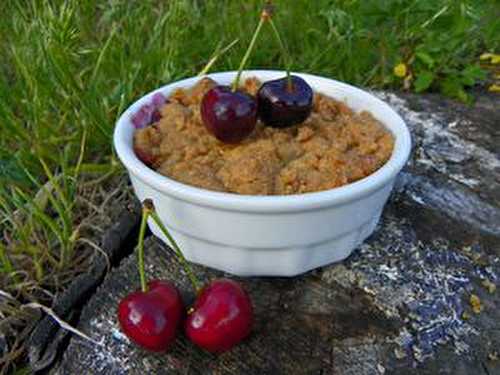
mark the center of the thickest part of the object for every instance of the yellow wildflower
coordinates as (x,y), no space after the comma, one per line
(493,58)
(475,303)
(485,56)
(494,88)
(400,70)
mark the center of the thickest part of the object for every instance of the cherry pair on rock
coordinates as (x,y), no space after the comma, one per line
(220,317)
(231,115)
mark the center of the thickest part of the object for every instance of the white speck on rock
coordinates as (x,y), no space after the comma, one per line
(470,182)
(118,335)
(380,368)
(390,272)
(416,198)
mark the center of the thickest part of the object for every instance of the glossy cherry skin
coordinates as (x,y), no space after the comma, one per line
(222,316)
(280,107)
(151,318)
(229,116)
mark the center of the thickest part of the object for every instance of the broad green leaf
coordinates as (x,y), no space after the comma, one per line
(452,87)
(425,58)
(424,81)
(472,74)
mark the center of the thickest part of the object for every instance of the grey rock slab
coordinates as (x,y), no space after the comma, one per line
(399,305)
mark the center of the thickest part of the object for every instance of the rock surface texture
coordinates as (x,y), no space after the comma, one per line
(420,296)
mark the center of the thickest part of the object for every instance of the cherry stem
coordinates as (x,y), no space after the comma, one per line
(215,57)
(236,81)
(140,254)
(177,251)
(285,53)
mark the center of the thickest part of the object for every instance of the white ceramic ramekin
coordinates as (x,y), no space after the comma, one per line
(268,235)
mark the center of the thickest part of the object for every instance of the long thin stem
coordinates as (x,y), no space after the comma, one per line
(140,253)
(178,252)
(284,51)
(236,81)
(215,56)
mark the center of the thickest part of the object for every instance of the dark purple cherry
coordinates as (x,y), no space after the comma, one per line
(281,104)
(229,115)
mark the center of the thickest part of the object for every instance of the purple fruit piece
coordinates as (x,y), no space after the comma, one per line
(156,116)
(142,117)
(149,113)
(158,100)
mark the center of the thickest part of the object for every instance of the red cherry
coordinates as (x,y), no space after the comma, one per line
(151,318)
(229,115)
(222,316)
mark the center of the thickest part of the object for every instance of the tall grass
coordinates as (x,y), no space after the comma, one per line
(69,67)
